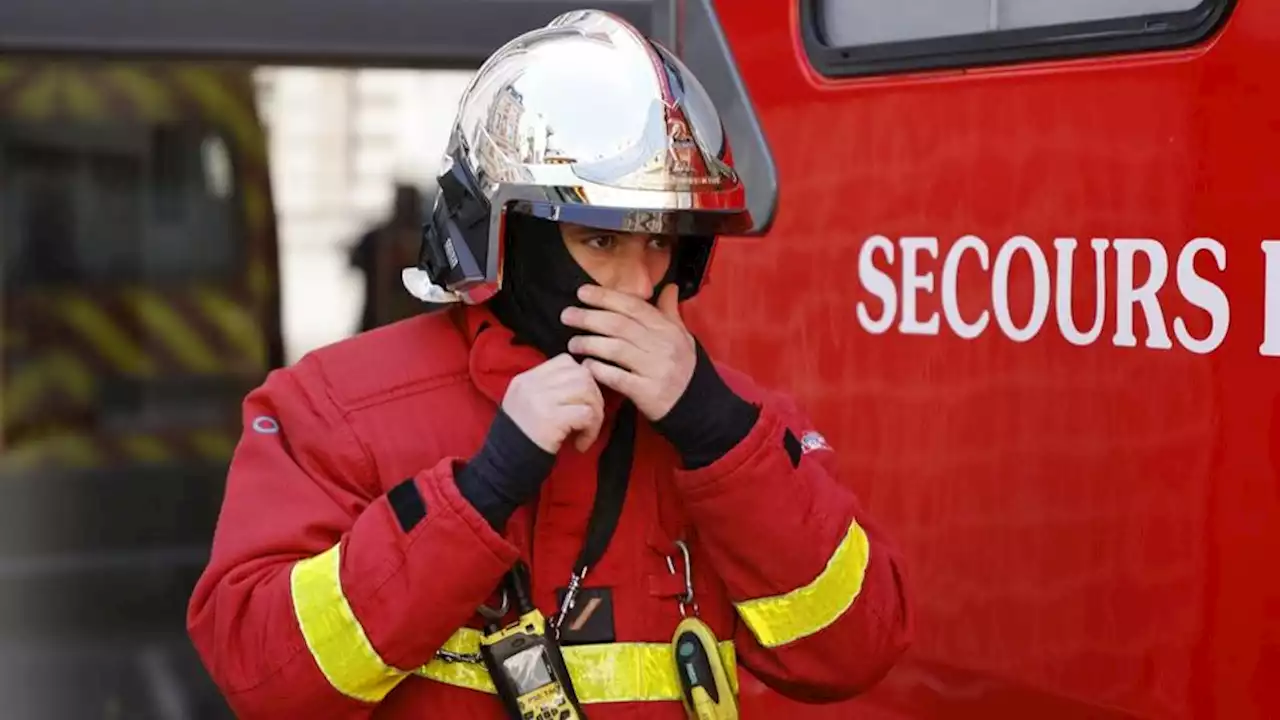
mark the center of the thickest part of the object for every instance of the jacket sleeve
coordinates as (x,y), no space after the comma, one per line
(817,587)
(322,591)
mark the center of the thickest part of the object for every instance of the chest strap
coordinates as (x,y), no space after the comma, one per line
(610,672)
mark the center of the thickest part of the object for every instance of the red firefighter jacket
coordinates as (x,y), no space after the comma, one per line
(319,603)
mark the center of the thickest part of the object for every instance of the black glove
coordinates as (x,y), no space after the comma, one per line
(709,419)
(505,474)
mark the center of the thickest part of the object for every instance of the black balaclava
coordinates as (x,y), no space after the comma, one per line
(541,279)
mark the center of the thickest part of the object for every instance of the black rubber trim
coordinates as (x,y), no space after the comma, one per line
(1157,31)
(408,504)
(386,33)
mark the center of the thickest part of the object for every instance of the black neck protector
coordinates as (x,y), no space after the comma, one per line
(540,280)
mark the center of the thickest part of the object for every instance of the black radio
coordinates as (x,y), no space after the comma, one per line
(526,664)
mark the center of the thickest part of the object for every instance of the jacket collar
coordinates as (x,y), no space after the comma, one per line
(496,357)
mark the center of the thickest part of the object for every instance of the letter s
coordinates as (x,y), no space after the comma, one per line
(878,284)
(1204,295)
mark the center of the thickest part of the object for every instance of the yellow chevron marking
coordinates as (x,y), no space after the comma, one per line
(77,450)
(146,448)
(13,339)
(21,391)
(170,328)
(237,323)
(83,97)
(95,325)
(213,446)
(33,383)
(146,93)
(259,280)
(255,205)
(37,99)
(71,375)
(226,108)
(71,449)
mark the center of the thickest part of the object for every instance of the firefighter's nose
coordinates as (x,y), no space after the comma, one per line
(635,279)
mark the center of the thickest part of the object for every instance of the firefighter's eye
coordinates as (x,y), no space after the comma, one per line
(662,242)
(602,242)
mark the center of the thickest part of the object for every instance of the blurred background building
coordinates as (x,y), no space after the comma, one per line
(340,140)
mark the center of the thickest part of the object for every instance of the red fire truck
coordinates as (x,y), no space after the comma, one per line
(1025,270)
(1020,259)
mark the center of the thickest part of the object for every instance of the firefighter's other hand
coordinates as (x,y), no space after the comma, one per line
(652,352)
(555,400)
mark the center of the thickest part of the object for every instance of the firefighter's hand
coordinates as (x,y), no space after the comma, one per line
(652,352)
(555,400)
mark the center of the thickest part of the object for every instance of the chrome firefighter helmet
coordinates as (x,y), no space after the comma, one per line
(583,121)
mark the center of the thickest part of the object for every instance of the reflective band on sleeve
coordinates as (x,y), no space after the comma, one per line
(613,672)
(782,619)
(334,636)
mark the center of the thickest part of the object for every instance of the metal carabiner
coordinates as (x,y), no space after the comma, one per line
(570,601)
(687,598)
(495,616)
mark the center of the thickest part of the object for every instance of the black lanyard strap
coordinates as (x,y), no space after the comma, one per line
(612,478)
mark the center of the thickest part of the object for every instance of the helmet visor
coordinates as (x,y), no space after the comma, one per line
(655,221)
(680,146)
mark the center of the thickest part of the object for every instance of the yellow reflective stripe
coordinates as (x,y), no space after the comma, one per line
(614,672)
(334,635)
(782,619)
(467,675)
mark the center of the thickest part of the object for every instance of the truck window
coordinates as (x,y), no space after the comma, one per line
(92,202)
(861,37)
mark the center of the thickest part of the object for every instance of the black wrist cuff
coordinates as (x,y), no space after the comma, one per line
(505,473)
(709,419)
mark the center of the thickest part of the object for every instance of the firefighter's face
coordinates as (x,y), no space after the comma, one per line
(627,262)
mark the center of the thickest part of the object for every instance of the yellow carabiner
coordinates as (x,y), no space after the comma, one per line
(708,695)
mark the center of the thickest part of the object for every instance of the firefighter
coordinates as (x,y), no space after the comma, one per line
(554,463)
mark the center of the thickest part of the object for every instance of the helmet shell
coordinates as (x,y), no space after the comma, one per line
(586,121)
